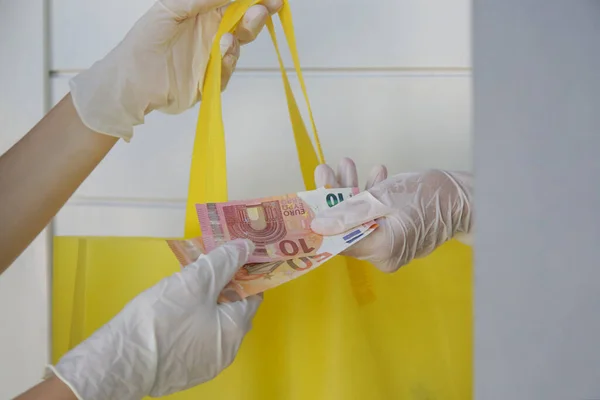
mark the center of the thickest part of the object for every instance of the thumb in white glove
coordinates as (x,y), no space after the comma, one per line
(421,210)
(169,338)
(160,64)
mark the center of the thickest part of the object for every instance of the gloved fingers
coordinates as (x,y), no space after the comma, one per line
(368,249)
(377,175)
(248,29)
(465,238)
(377,248)
(255,19)
(252,23)
(252,304)
(230,53)
(347,175)
(228,45)
(324,176)
(184,9)
(348,214)
(272,5)
(218,267)
(362,249)
(242,312)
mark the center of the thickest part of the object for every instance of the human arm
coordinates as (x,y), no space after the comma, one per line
(41,171)
(416,213)
(169,338)
(158,66)
(50,389)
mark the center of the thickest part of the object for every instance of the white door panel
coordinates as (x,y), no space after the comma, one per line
(24,305)
(332,33)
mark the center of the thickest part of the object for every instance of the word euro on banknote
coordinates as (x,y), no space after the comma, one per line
(253,278)
(279,226)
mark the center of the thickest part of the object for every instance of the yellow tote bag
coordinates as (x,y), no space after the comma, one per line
(344,331)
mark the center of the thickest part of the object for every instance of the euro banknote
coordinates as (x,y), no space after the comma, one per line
(279,226)
(254,278)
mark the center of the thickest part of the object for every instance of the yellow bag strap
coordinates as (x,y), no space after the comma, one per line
(208,174)
(285,16)
(306,153)
(76,335)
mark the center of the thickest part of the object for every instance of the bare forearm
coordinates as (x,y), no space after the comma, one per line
(51,389)
(41,172)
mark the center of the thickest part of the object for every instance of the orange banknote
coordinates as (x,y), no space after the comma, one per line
(281,227)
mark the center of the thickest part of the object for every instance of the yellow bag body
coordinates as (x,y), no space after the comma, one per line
(344,331)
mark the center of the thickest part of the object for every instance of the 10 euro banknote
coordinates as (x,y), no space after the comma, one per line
(287,257)
(279,226)
(253,278)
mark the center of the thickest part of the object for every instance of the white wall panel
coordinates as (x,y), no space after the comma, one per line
(406,121)
(332,33)
(537,125)
(24,305)
(120,217)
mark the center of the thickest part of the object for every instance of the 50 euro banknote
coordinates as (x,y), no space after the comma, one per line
(254,278)
(279,226)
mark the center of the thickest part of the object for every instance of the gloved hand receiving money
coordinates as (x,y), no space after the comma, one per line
(422,210)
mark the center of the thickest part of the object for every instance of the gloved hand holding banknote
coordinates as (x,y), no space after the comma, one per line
(280,227)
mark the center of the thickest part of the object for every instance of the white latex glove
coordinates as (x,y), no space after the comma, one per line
(347,175)
(169,338)
(421,210)
(160,64)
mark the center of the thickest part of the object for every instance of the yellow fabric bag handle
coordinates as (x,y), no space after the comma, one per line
(208,175)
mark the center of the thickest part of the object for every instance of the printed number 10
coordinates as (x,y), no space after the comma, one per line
(290,248)
(333,200)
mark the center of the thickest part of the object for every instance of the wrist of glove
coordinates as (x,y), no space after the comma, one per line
(160,64)
(417,212)
(169,338)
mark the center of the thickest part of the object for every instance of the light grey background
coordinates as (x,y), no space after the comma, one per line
(388,84)
(537,145)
